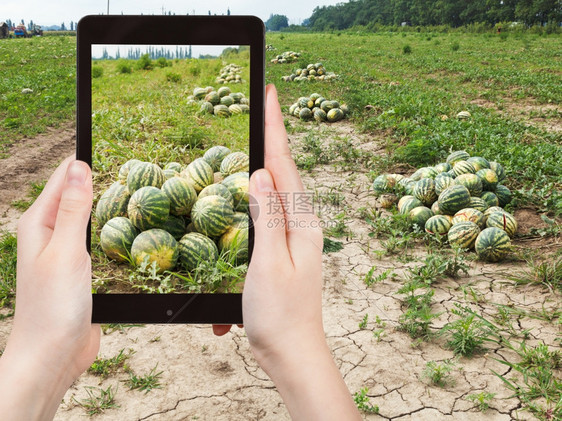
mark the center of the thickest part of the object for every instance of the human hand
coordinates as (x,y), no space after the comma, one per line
(52,341)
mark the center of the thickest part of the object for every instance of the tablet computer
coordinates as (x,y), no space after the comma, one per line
(170,117)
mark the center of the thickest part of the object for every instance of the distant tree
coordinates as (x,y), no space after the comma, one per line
(71,25)
(209,13)
(30,25)
(63,27)
(276,22)
(22,22)
(228,12)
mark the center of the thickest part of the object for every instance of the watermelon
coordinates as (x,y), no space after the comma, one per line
(145,174)
(235,109)
(491,209)
(215,155)
(199,173)
(442,181)
(443,167)
(326,106)
(181,194)
(148,207)
(335,114)
(382,184)
(456,156)
(345,109)
(235,239)
(503,194)
(478,203)
(207,107)
(213,97)
(155,245)
(116,238)
(463,167)
(498,169)
(388,200)
(221,110)
(472,182)
(492,244)
(227,100)
(490,198)
(113,202)
(175,225)
(195,248)
(424,190)
(212,215)
(224,91)
(320,115)
(235,162)
(489,179)
(394,179)
(420,215)
(424,172)
(125,168)
(463,234)
(438,225)
(404,199)
(305,114)
(199,93)
(170,173)
(504,221)
(472,215)
(410,204)
(238,185)
(478,162)
(406,185)
(217,190)
(453,199)
(176,166)
(435,208)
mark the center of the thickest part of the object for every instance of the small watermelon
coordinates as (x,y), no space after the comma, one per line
(235,162)
(199,173)
(424,190)
(504,221)
(463,234)
(472,215)
(503,194)
(145,174)
(217,190)
(463,167)
(113,202)
(212,215)
(382,184)
(443,167)
(456,156)
(472,182)
(195,248)
(170,173)
(156,245)
(175,225)
(148,208)
(238,185)
(498,169)
(410,204)
(490,198)
(420,215)
(116,238)
(320,115)
(453,199)
(335,114)
(125,168)
(478,162)
(215,155)
(235,239)
(403,200)
(438,225)
(181,194)
(478,203)
(489,179)
(492,244)
(442,181)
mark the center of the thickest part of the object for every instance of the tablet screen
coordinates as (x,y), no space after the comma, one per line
(170,160)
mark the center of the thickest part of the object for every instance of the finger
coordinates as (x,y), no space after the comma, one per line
(35,227)
(270,243)
(220,330)
(74,209)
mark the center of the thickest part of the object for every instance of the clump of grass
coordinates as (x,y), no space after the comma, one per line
(362,402)
(162,62)
(467,334)
(104,367)
(363,322)
(146,277)
(416,320)
(145,62)
(407,49)
(8,259)
(98,400)
(36,189)
(482,399)
(439,374)
(547,272)
(173,77)
(97,72)
(147,382)
(371,279)
(331,246)
(455,46)
(337,227)
(123,66)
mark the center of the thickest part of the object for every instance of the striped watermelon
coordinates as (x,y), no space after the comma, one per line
(224,91)
(116,238)
(145,174)
(442,181)
(217,190)
(148,208)
(395,179)
(235,239)
(235,109)
(472,215)
(199,93)
(492,244)
(320,115)
(207,107)
(489,179)
(463,167)
(409,204)
(420,215)
(463,234)
(443,167)
(213,97)
(424,190)
(181,194)
(238,185)
(382,184)
(438,225)
(478,162)
(424,172)
(490,198)
(212,215)
(199,173)
(457,156)
(498,169)
(221,110)
(491,209)
(504,221)
(175,225)
(435,208)
(503,194)
(235,162)
(227,100)
(113,202)
(195,248)
(170,173)
(453,199)
(478,203)
(155,245)
(472,182)
(335,114)
(403,200)
(176,166)
(125,168)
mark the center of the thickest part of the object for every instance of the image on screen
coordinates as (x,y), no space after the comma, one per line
(170,164)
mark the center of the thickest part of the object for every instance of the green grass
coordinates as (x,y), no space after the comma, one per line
(8,259)
(362,402)
(104,367)
(439,374)
(98,400)
(47,65)
(145,383)
(24,204)
(482,399)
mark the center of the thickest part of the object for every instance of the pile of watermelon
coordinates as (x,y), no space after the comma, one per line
(318,108)
(460,201)
(231,73)
(286,57)
(222,102)
(177,216)
(312,72)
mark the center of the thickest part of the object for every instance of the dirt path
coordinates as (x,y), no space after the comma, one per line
(31,160)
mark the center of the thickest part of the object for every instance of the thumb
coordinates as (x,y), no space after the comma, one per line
(74,208)
(268,217)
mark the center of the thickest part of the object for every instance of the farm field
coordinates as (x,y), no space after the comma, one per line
(418,331)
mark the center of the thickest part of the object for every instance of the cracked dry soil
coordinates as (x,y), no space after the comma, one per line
(210,378)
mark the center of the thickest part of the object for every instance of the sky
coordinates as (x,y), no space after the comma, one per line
(55,12)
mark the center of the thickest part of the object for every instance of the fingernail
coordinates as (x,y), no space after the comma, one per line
(76,173)
(264,183)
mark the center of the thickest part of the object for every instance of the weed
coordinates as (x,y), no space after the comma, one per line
(455,46)
(36,189)
(338,227)
(97,72)
(547,273)
(331,246)
(123,66)
(482,399)
(173,77)
(370,279)
(146,277)
(145,62)
(362,402)
(8,260)
(363,322)
(117,327)
(407,49)
(467,334)
(147,382)
(104,367)
(417,318)
(439,374)
(98,400)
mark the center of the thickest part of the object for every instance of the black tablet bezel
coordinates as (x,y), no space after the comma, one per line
(175,30)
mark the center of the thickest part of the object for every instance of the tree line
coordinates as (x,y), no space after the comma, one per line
(434,12)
